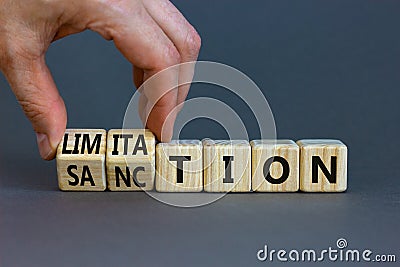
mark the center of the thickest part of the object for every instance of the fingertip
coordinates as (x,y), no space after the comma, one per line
(163,131)
(53,130)
(49,127)
(166,135)
(161,123)
(46,151)
(48,144)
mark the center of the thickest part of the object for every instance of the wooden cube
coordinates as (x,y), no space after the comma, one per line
(81,159)
(130,159)
(179,166)
(323,165)
(226,165)
(275,166)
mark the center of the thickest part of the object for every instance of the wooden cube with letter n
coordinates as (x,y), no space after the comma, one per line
(179,166)
(81,159)
(323,165)
(275,166)
(227,165)
(130,159)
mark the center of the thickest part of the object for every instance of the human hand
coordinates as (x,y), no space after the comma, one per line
(151,34)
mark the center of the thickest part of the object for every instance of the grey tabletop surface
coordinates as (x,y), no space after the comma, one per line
(328,70)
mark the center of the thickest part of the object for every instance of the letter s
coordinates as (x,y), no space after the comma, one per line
(73,175)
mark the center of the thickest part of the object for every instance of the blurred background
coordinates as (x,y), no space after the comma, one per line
(328,70)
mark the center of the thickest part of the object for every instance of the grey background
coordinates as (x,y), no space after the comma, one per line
(328,69)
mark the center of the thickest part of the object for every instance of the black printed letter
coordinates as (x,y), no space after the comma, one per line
(285,172)
(228,169)
(316,161)
(179,166)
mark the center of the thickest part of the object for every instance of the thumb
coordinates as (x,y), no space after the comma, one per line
(34,87)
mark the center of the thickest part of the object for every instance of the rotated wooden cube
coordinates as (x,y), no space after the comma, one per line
(179,166)
(81,159)
(323,165)
(227,165)
(130,159)
(275,166)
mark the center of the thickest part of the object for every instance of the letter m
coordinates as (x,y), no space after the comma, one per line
(90,146)
(308,255)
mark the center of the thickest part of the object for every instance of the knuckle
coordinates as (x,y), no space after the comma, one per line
(38,108)
(3,59)
(15,54)
(33,101)
(7,54)
(192,43)
(33,110)
(169,58)
(173,55)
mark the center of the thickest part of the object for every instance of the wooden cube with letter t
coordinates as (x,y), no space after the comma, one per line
(323,165)
(275,166)
(227,165)
(179,166)
(130,159)
(81,159)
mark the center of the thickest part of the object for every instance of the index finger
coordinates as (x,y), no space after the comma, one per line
(148,48)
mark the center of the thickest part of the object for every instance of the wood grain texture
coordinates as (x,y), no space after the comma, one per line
(81,160)
(130,159)
(167,169)
(322,153)
(263,151)
(219,174)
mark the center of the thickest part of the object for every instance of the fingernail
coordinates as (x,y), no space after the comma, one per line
(45,149)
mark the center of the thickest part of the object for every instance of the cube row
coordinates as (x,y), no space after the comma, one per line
(130,160)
